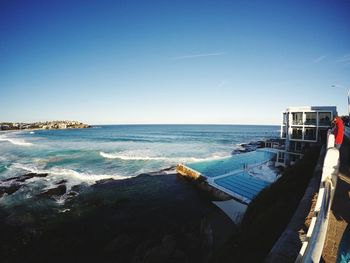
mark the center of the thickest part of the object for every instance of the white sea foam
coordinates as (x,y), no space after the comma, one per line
(171,159)
(265,172)
(126,157)
(15,141)
(210,158)
(32,132)
(69,174)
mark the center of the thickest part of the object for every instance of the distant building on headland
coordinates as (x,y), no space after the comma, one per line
(48,125)
(302,126)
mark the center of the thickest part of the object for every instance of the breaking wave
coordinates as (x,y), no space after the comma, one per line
(15,141)
(69,173)
(171,159)
(124,157)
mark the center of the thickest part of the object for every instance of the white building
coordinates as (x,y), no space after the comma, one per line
(302,126)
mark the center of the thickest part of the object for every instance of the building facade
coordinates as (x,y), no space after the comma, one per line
(302,126)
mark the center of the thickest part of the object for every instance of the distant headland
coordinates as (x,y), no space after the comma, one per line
(48,125)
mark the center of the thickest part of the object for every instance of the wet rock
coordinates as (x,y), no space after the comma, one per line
(180,256)
(119,243)
(57,191)
(141,249)
(72,193)
(25,177)
(9,189)
(162,171)
(104,181)
(78,188)
(161,253)
(62,181)
(21,219)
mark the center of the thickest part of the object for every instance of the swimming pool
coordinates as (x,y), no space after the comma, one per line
(242,185)
(230,164)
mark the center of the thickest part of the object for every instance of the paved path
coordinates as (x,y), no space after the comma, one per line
(340,210)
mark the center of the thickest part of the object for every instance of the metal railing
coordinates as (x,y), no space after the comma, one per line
(311,250)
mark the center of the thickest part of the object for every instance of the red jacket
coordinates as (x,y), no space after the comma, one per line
(338,131)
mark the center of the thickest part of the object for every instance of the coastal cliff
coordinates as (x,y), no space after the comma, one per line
(48,125)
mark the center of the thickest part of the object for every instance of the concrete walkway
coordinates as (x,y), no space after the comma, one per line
(340,211)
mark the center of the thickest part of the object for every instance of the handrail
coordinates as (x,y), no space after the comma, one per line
(311,250)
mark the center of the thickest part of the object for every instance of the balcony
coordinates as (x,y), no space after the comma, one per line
(310,118)
(310,134)
(297,118)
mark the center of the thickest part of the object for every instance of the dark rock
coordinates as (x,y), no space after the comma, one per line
(119,243)
(62,181)
(20,219)
(104,181)
(38,175)
(25,177)
(141,249)
(78,188)
(9,189)
(57,191)
(161,253)
(179,256)
(72,193)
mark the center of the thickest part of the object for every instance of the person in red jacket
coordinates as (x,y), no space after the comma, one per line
(338,131)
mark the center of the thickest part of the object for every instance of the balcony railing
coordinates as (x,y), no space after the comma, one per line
(310,122)
(297,122)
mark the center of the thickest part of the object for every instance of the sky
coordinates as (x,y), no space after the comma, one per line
(189,62)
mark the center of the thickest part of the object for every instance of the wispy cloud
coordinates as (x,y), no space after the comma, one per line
(221,84)
(319,59)
(199,55)
(345,60)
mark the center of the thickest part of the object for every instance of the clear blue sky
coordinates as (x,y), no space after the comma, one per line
(171,61)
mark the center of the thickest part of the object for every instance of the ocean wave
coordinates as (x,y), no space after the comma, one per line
(148,158)
(69,173)
(125,157)
(15,141)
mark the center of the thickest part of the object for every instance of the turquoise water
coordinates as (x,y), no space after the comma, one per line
(83,156)
(344,247)
(242,184)
(213,168)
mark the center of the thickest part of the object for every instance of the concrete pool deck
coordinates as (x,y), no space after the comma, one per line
(231,175)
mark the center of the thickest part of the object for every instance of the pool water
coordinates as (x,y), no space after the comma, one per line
(242,184)
(228,174)
(344,247)
(230,164)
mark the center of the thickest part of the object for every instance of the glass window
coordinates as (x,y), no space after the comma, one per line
(298,147)
(281,157)
(324,118)
(294,157)
(297,133)
(310,118)
(295,147)
(310,134)
(297,118)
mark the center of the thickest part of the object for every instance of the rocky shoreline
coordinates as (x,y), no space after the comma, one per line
(48,125)
(157,217)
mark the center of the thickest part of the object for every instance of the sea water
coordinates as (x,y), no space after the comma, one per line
(116,151)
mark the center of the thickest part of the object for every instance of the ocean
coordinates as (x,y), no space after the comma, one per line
(117,151)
